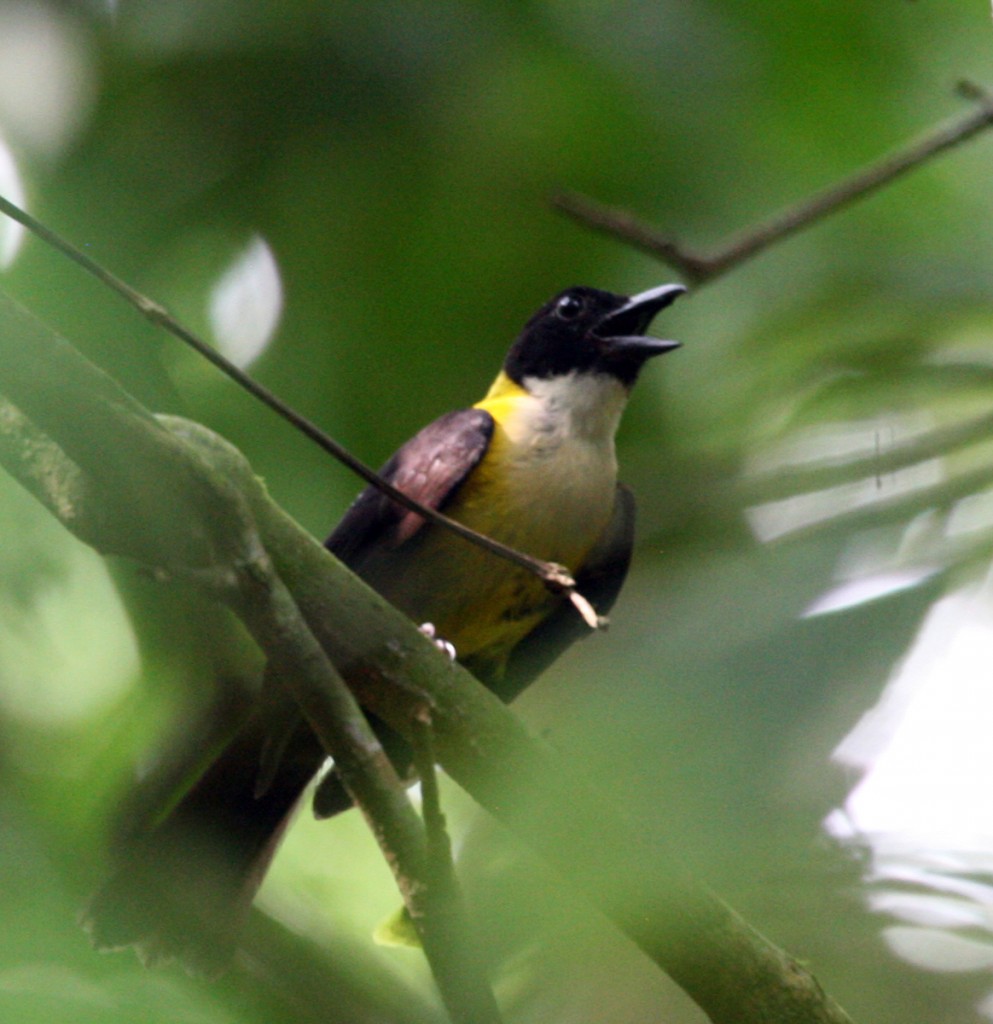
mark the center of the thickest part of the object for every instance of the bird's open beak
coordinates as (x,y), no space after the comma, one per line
(622,331)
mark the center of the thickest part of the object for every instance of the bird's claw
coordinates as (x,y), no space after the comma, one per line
(444,646)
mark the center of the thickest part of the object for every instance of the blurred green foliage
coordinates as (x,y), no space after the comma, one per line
(397,158)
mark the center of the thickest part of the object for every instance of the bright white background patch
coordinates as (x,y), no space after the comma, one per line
(926,746)
(11,233)
(922,809)
(46,76)
(246,303)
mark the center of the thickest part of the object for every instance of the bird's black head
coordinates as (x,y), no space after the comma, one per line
(587,330)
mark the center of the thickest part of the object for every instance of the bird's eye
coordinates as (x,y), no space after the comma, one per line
(569,307)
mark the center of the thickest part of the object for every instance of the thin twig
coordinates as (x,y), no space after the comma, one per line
(555,577)
(700,267)
(424,762)
(451,923)
(625,226)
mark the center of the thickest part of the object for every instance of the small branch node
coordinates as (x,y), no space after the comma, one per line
(219,580)
(556,577)
(699,269)
(151,309)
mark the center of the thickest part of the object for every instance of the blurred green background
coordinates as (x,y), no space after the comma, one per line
(372,180)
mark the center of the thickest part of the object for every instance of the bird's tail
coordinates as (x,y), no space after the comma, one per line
(183,888)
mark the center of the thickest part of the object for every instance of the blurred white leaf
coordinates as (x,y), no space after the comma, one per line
(11,233)
(854,592)
(925,746)
(246,303)
(834,444)
(935,950)
(46,76)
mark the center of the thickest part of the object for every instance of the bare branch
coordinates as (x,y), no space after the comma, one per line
(700,268)
(734,973)
(626,227)
(449,921)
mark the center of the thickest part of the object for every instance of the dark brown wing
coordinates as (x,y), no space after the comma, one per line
(599,579)
(430,468)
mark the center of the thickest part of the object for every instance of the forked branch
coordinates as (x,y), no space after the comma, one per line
(699,267)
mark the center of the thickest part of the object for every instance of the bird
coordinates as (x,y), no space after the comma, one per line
(533,465)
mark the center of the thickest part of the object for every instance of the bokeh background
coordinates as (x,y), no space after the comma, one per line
(354,197)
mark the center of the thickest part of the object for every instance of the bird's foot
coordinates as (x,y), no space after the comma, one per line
(427,628)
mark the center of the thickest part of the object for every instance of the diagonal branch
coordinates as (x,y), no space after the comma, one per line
(268,609)
(68,455)
(699,268)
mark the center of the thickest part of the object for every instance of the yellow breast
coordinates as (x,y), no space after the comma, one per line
(545,486)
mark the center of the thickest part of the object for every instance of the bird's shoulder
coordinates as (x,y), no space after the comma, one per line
(430,468)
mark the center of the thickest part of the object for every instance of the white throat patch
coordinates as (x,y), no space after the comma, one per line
(576,406)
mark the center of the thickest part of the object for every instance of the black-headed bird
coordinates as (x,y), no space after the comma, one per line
(533,465)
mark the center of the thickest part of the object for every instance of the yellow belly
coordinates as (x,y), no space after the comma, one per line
(549,500)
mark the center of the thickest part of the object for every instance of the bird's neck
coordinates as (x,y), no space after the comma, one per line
(577,406)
